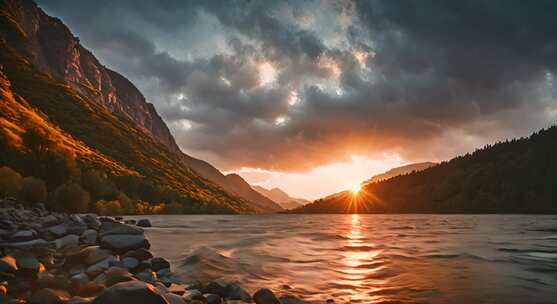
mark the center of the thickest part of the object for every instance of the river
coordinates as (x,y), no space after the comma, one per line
(369,258)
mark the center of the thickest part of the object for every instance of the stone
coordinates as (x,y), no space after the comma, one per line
(174,298)
(91,221)
(89,237)
(27,245)
(28,264)
(265,296)
(96,269)
(79,281)
(147,276)
(144,223)
(192,294)
(159,263)
(140,254)
(228,289)
(213,298)
(67,242)
(130,263)
(48,280)
(164,272)
(116,275)
(92,289)
(78,300)
(57,231)
(49,296)
(8,264)
(122,243)
(50,220)
(24,235)
(90,255)
(112,228)
(130,292)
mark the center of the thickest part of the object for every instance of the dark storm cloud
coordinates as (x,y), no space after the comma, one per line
(425,79)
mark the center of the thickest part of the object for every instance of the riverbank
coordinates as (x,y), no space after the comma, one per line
(50,257)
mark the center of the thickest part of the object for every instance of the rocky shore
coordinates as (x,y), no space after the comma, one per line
(51,258)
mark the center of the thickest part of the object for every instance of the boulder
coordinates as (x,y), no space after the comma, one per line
(147,276)
(265,296)
(116,275)
(228,289)
(135,292)
(213,298)
(159,263)
(140,254)
(174,298)
(57,231)
(24,235)
(91,221)
(192,294)
(48,280)
(79,281)
(28,265)
(89,256)
(144,223)
(89,237)
(96,269)
(78,300)
(121,242)
(130,263)
(49,296)
(67,242)
(50,220)
(112,228)
(92,289)
(8,264)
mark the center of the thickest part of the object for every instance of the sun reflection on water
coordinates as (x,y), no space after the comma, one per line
(358,256)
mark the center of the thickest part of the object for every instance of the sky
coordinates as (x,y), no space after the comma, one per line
(315,96)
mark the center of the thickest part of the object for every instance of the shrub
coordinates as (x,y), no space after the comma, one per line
(71,197)
(108,207)
(172,208)
(33,190)
(98,185)
(10,182)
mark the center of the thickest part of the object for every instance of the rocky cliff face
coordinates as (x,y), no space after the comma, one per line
(52,47)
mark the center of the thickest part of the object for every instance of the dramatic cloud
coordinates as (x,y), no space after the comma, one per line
(294,85)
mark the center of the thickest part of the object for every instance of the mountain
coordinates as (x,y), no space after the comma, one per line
(104,119)
(281,197)
(400,171)
(516,176)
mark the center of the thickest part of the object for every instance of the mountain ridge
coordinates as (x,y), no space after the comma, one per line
(50,46)
(280,197)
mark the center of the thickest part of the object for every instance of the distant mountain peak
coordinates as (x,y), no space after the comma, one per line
(281,197)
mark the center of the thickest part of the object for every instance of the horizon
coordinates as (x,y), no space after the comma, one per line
(325,82)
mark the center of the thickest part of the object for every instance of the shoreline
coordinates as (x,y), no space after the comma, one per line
(50,257)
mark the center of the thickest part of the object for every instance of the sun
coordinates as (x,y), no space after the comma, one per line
(356,189)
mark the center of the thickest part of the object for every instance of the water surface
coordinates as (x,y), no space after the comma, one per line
(369,258)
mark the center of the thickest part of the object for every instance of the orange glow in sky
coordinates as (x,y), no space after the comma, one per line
(324,180)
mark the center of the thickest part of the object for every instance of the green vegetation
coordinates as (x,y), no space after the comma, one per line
(517,176)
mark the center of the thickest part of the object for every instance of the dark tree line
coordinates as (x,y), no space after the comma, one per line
(516,176)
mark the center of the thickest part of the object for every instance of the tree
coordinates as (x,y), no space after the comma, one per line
(10,182)
(108,207)
(71,197)
(33,190)
(98,185)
